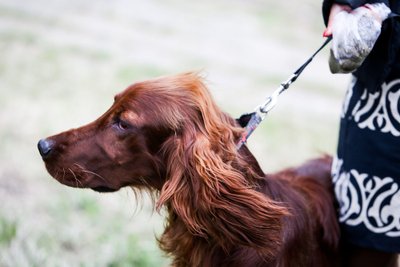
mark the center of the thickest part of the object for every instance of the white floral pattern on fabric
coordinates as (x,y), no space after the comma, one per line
(380,111)
(368,200)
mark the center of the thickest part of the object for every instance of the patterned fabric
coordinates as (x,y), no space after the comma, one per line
(366,172)
(368,200)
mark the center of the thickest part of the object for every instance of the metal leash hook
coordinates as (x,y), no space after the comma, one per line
(262,110)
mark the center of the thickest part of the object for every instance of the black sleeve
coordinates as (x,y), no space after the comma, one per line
(327,4)
(383,57)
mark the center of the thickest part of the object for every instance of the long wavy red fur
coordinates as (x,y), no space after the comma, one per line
(222,209)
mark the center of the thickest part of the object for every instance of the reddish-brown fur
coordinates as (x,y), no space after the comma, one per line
(169,137)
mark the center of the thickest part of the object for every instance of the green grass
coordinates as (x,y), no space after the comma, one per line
(8,231)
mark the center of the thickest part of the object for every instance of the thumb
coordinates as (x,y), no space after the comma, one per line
(335,9)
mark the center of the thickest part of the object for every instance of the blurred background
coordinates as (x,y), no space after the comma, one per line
(61,63)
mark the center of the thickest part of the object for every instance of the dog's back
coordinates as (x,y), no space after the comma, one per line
(314,194)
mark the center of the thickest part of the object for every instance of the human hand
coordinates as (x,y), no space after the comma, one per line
(335,9)
(354,34)
(379,12)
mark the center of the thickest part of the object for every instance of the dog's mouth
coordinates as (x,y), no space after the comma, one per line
(80,178)
(103,189)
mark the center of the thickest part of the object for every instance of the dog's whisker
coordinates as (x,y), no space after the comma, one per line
(63,176)
(78,182)
(95,174)
(83,169)
(56,175)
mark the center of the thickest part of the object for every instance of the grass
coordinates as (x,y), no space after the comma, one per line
(8,230)
(62,63)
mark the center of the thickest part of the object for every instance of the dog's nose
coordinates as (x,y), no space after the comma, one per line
(45,146)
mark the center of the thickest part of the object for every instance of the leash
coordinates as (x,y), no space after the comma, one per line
(251,120)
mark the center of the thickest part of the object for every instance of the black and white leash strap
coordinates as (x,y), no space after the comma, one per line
(251,120)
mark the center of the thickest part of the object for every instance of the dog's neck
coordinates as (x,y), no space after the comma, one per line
(251,160)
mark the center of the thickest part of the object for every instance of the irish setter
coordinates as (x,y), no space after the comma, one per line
(169,137)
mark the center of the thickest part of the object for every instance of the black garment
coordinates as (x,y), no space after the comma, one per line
(366,171)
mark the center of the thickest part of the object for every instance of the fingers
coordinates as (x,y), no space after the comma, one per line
(336,8)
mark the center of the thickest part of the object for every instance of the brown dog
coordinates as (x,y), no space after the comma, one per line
(168,136)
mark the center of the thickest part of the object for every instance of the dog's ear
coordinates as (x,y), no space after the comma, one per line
(213,190)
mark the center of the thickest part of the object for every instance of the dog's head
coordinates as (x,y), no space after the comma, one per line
(127,145)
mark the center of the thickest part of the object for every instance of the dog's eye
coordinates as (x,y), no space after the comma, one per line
(122,125)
